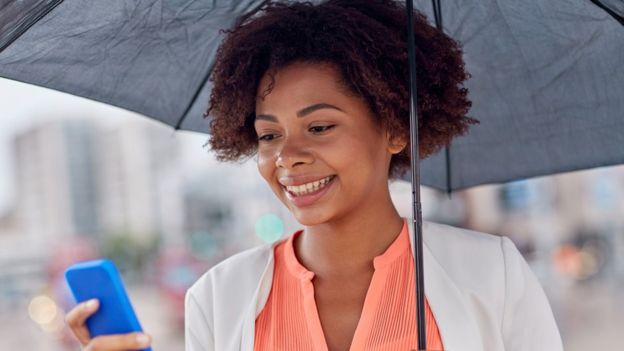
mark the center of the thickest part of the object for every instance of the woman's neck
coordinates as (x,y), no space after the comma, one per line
(348,245)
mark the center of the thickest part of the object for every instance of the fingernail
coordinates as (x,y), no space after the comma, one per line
(142,339)
(91,304)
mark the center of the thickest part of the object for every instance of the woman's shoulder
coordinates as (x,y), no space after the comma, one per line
(446,241)
(468,254)
(449,243)
(437,234)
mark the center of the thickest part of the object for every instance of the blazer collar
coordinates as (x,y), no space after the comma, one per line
(458,327)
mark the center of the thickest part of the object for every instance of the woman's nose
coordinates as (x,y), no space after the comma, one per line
(293,153)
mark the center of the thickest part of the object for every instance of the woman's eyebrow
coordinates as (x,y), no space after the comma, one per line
(301,113)
(306,111)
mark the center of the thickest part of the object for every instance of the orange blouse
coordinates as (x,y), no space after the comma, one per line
(290,321)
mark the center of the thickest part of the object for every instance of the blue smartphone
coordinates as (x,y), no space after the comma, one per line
(100,279)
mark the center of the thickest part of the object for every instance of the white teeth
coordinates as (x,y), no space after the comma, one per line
(308,187)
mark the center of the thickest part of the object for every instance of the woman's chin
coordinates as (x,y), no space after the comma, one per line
(308,220)
(309,217)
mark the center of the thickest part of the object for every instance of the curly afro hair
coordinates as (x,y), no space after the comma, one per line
(367,41)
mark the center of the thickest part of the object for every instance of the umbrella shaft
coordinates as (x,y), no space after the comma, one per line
(416,207)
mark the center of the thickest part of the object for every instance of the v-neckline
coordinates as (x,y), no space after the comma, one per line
(371,300)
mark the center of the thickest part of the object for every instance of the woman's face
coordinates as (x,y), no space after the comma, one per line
(320,149)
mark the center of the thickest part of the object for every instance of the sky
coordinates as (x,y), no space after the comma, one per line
(24,105)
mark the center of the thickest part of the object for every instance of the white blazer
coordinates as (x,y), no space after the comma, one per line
(480,289)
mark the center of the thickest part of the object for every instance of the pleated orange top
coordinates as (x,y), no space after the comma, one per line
(290,320)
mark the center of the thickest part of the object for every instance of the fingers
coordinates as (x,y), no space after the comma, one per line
(122,342)
(76,318)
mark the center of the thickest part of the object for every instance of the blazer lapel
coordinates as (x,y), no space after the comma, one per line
(458,329)
(258,301)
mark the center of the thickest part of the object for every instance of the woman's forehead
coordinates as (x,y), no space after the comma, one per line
(301,84)
(300,74)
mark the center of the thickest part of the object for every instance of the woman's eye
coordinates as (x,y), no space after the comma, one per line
(320,129)
(266,137)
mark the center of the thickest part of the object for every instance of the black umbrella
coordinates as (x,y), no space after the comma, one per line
(547,78)
(547,86)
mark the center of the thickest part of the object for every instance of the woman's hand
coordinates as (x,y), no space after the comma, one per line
(119,342)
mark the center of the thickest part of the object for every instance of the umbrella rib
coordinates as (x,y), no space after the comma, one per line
(195,95)
(447,156)
(242,18)
(39,13)
(437,13)
(609,11)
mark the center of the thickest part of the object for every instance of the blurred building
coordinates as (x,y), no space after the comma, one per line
(55,187)
(75,177)
(139,180)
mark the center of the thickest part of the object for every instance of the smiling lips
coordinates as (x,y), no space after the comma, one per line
(307,188)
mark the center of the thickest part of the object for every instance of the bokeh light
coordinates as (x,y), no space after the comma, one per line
(42,310)
(269,227)
(203,244)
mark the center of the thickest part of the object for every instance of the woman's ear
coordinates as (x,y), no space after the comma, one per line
(396,144)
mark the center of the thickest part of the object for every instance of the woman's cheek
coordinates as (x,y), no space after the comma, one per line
(266,164)
(267,169)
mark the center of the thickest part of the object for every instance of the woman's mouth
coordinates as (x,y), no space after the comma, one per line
(306,194)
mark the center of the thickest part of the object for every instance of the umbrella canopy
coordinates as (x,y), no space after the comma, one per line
(546,78)
(547,86)
(151,57)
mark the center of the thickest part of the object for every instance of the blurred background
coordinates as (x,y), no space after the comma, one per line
(81,180)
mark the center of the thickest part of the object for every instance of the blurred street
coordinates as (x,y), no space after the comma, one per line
(19,332)
(590,316)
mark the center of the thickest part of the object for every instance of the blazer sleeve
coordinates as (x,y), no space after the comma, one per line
(528,322)
(198,328)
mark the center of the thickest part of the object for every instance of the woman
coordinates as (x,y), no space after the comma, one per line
(319,94)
